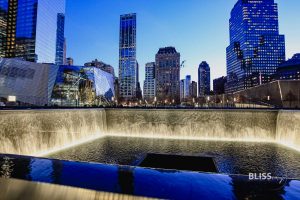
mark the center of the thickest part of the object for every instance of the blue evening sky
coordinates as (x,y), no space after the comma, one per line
(197,28)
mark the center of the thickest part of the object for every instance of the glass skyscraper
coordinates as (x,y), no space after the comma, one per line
(128,67)
(60,39)
(3,25)
(187,83)
(31,29)
(203,79)
(255,43)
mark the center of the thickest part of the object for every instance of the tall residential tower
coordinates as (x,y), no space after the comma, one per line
(255,43)
(167,74)
(128,67)
(60,39)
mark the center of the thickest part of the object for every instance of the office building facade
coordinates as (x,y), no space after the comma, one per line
(182,90)
(219,85)
(167,74)
(193,89)
(149,83)
(290,69)
(30,29)
(255,43)
(3,26)
(128,67)
(203,79)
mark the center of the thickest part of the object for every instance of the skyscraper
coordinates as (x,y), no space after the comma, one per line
(30,29)
(188,89)
(3,25)
(167,74)
(182,90)
(65,52)
(255,43)
(60,39)
(128,67)
(219,85)
(187,83)
(203,79)
(193,89)
(149,83)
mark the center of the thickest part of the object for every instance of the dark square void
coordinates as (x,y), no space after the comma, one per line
(179,162)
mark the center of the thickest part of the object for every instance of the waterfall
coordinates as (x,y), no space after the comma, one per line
(34,132)
(288,129)
(37,132)
(240,125)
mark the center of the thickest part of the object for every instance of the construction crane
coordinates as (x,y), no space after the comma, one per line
(182,64)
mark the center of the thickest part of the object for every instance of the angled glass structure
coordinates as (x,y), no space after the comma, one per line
(128,67)
(31,29)
(255,43)
(82,86)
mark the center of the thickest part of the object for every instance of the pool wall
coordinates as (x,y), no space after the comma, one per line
(288,129)
(36,132)
(244,125)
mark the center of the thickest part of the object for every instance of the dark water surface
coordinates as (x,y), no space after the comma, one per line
(230,157)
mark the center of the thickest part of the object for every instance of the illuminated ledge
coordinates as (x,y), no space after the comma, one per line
(13,189)
(145,182)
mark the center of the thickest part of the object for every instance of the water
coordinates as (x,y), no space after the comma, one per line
(230,157)
(288,129)
(33,132)
(36,132)
(242,125)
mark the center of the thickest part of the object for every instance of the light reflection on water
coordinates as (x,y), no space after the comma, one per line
(230,157)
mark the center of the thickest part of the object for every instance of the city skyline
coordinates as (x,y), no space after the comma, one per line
(191,30)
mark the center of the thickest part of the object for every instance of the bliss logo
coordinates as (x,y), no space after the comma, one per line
(260,176)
